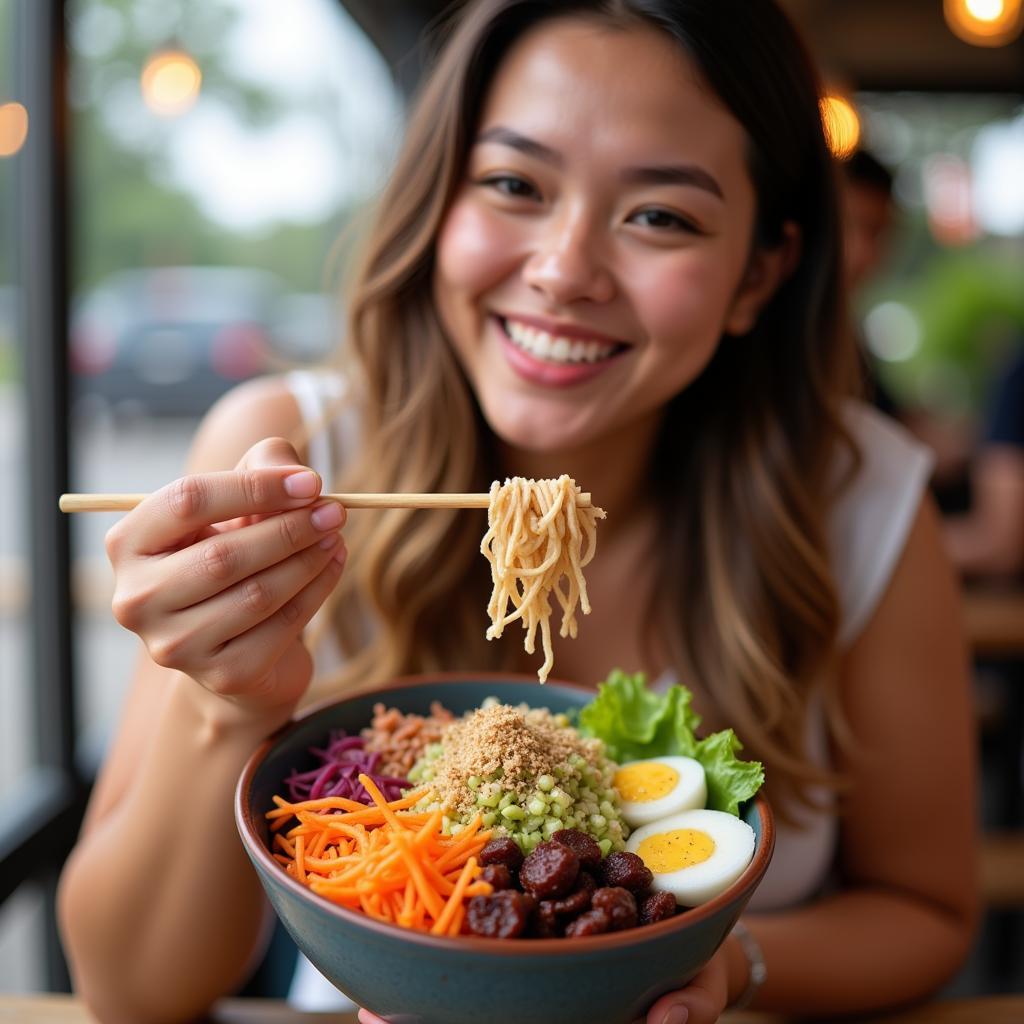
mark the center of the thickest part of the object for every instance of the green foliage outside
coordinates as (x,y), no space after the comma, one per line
(125,212)
(126,215)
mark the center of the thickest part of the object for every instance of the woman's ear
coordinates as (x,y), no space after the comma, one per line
(765,273)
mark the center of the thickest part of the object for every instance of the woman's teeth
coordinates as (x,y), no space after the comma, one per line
(554,349)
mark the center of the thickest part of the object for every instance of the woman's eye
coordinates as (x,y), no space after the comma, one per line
(663,220)
(510,185)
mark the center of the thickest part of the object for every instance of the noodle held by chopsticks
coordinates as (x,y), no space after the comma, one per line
(538,540)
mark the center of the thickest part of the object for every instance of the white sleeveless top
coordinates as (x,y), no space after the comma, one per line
(866,534)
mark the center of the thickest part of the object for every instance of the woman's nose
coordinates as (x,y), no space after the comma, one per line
(567,263)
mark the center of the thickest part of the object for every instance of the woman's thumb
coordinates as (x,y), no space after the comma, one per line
(270,452)
(673,1013)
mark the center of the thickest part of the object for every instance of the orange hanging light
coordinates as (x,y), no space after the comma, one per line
(841,122)
(13,128)
(170,82)
(985,22)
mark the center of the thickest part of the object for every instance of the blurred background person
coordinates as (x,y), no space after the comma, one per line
(868,214)
(870,224)
(988,540)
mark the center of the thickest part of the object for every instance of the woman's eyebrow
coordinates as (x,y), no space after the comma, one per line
(531,147)
(682,174)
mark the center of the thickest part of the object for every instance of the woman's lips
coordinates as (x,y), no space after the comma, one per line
(545,372)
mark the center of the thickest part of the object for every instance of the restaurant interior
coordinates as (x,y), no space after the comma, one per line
(207,154)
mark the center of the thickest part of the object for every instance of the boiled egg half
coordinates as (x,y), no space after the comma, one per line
(659,786)
(694,855)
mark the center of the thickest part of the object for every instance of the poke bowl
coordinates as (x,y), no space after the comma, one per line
(411,976)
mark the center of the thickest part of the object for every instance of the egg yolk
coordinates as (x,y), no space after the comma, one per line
(670,851)
(639,783)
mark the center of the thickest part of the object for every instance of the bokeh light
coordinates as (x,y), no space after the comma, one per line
(841,123)
(984,22)
(893,332)
(170,83)
(13,128)
(985,10)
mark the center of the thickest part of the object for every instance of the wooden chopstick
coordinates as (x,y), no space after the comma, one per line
(126,502)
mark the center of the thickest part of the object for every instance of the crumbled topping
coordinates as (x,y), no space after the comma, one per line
(522,744)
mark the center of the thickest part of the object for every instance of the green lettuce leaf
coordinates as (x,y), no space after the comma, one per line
(730,781)
(635,723)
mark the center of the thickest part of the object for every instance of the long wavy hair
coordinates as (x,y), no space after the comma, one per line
(744,471)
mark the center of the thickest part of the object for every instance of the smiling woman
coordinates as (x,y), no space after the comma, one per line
(608,251)
(623,239)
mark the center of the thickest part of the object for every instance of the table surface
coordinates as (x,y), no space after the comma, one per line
(51,1009)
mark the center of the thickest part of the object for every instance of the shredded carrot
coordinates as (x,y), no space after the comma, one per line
(393,864)
(468,841)
(443,923)
(317,847)
(286,809)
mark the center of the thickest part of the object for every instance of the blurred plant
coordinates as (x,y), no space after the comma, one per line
(968,308)
(953,310)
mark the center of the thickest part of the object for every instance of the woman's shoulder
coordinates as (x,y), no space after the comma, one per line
(251,411)
(873,514)
(297,405)
(883,440)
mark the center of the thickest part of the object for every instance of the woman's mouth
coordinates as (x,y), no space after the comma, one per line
(554,359)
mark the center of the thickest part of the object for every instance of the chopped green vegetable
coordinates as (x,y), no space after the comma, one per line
(636,723)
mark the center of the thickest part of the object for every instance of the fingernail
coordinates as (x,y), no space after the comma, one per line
(676,1015)
(327,516)
(302,485)
(329,542)
(341,554)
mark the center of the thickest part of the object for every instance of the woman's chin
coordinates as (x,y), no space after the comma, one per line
(540,429)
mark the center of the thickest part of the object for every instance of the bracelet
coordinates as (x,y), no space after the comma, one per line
(755,958)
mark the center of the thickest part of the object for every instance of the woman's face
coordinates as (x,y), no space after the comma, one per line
(600,243)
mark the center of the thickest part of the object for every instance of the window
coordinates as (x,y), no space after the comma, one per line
(21,915)
(206,220)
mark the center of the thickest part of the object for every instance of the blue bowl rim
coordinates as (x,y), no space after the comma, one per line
(749,880)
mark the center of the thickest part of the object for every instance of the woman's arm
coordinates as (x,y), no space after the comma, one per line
(160,910)
(905,915)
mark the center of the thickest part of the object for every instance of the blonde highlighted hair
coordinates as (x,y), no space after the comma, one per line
(743,471)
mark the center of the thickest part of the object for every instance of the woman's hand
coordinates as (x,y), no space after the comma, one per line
(219,573)
(701,1002)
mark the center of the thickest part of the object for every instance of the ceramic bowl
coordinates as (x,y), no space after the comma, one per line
(408,977)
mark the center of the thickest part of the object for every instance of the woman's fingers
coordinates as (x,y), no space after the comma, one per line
(218,573)
(176,513)
(265,454)
(701,1002)
(203,629)
(217,563)
(251,662)
(270,452)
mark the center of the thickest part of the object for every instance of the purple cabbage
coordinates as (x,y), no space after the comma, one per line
(344,759)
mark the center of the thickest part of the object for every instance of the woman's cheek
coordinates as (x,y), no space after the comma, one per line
(475,248)
(684,299)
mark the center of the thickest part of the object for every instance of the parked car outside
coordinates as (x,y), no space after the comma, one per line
(307,327)
(170,341)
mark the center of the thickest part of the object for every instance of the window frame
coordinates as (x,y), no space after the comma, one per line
(39,825)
